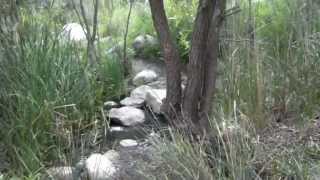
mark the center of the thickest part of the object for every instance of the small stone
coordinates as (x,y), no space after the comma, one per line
(100,167)
(126,143)
(110,104)
(61,173)
(116,129)
(144,77)
(127,116)
(132,101)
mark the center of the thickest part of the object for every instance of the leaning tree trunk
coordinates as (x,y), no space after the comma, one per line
(8,29)
(172,104)
(196,104)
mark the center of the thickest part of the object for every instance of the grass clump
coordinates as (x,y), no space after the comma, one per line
(49,97)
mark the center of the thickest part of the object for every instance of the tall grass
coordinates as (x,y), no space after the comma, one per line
(48,97)
(282,73)
(233,153)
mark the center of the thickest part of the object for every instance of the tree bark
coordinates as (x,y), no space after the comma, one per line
(172,104)
(210,74)
(191,102)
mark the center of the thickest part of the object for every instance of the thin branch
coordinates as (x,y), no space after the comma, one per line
(232,11)
(85,20)
(125,60)
(95,20)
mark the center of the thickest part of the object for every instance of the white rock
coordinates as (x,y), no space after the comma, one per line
(126,143)
(61,173)
(112,155)
(127,116)
(144,77)
(99,167)
(154,99)
(73,32)
(116,129)
(132,101)
(140,92)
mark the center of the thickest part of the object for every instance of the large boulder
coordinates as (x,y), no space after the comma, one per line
(144,77)
(73,32)
(142,43)
(100,167)
(154,99)
(127,116)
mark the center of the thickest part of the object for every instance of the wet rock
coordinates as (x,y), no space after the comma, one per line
(99,167)
(144,77)
(116,133)
(154,99)
(127,143)
(127,116)
(132,101)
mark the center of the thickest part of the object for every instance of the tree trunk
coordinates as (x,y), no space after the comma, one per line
(193,92)
(210,74)
(197,99)
(172,104)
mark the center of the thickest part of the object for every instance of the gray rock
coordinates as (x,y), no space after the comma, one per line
(160,83)
(154,99)
(141,42)
(99,167)
(112,155)
(144,77)
(62,173)
(156,65)
(127,116)
(132,101)
(140,92)
(127,143)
